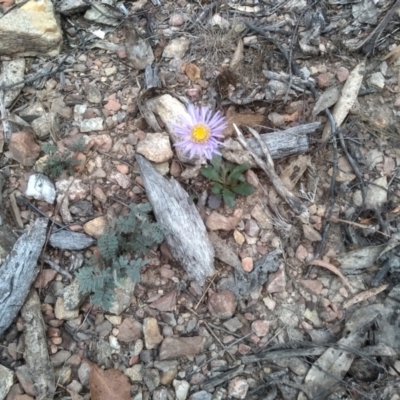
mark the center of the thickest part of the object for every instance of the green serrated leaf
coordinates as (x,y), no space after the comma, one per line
(236,173)
(229,197)
(216,162)
(217,188)
(210,173)
(244,189)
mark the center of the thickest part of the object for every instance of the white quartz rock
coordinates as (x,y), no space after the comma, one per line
(40,187)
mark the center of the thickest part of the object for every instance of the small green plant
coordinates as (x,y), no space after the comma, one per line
(228,180)
(57,162)
(124,241)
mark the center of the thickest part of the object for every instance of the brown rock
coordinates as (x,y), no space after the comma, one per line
(251,228)
(99,194)
(151,332)
(262,218)
(216,221)
(165,303)
(102,142)
(156,147)
(238,387)
(239,238)
(221,305)
(59,107)
(175,169)
(95,227)
(112,105)
(130,330)
(312,286)
(342,74)
(44,278)
(122,168)
(172,348)
(277,281)
(23,148)
(323,80)
(311,234)
(248,264)
(301,253)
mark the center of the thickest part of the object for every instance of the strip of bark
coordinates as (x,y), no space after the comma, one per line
(19,272)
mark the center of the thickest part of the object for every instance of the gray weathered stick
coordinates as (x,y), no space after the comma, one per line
(7,129)
(18,272)
(36,354)
(187,236)
(294,202)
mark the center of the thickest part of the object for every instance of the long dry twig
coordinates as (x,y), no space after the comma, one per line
(294,202)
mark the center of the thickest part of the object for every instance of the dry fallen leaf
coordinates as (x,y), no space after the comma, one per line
(347,98)
(245,119)
(394,54)
(237,56)
(108,384)
(331,268)
(192,71)
(364,296)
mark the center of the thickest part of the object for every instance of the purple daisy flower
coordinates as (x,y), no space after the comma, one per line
(200,129)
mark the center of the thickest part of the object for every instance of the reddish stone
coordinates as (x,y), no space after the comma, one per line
(23,148)
(260,327)
(342,74)
(112,105)
(277,281)
(165,303)
(130,330)
(244,349)
(248,264)
(172,348)
(221,305)
(44,278)
(312,286)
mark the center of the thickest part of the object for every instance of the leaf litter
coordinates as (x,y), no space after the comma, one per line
(271,83)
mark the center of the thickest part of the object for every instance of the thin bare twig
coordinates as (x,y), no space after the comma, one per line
(294,202)
(57,268)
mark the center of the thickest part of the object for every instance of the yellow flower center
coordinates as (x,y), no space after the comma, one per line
(200,133)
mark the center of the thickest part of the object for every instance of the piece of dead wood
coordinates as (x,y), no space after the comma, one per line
(325,375)
(281,144)
(294,171)
(36,354)
(221,378)
(285,143)
(294,202)
(4,114)
(276,355)
(187,236)
(19,271)
(347,99)
(13,72)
